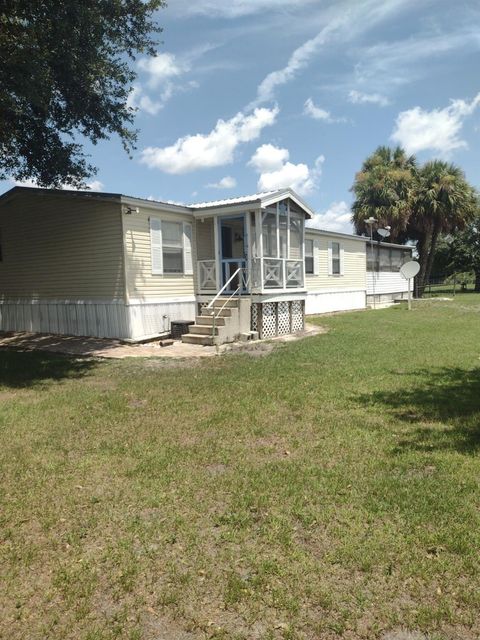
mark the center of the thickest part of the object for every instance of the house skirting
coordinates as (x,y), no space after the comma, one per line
(334,300)
(138,320)
(386,298)
(150,318)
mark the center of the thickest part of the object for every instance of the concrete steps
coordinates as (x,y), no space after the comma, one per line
(202,332)
(192,338)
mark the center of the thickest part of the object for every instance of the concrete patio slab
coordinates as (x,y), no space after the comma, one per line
(100,348)
(85,347)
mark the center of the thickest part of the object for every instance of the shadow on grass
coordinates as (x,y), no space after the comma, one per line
(443,410)
(25,369)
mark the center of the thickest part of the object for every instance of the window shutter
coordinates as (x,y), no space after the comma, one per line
(187,249)
(341,259)
(330,255)
(156,246)
(316,257)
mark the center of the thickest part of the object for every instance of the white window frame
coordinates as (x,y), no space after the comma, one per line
(312,256)
(157,246)
(340,259)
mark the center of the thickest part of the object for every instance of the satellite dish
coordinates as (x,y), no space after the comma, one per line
(410,269)
(383,233)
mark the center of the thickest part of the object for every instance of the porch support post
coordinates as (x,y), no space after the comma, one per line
(258,230)
(249,243)
(216,242)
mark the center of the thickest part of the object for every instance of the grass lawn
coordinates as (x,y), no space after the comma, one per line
(327,490)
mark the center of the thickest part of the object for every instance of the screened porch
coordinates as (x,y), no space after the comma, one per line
(256,252)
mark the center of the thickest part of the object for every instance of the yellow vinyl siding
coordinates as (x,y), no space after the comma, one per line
(204,239)
(61,247)
(354,264)
(141,283)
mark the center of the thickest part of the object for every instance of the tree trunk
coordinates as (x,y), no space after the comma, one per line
(431,253)
(477,281)
(423,252)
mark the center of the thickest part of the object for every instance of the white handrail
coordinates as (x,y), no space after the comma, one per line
(238,290)
(212,302)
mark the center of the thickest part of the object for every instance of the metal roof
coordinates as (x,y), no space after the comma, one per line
(264,198)
(255,197)
(327,232)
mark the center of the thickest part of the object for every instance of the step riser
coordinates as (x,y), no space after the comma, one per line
(224,313)
(208,321)
(203,330)
(230,304)
(191,338)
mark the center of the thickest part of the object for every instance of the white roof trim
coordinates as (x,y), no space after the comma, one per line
(325,232)
(287,193)
(264,199)
(156,204)
(256,197)
(392,244)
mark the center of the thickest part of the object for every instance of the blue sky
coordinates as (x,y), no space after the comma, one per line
(249,95)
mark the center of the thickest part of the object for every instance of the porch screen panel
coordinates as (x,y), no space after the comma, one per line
(296,238)
(269,234)
(283,228)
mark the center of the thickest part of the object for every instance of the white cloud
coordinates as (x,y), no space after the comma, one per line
(268,158)
(276,172)
(179,203)
(161,68)
(400,62)
(94,185)
(317,113)
(23,183)
(336,218)
(357,97)
(228,182)
(437,130)
(213,149)
(162,74)
(297,61)
(137,99)
(346,21)
(233,8)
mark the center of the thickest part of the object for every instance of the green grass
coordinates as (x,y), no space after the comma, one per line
(327,490)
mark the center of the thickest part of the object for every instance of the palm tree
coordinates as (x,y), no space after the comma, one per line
(444,202)
(384,189)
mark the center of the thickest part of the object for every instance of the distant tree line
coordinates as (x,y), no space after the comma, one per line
(421,203)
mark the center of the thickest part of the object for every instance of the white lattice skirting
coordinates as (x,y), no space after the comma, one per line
(272,319)
(111,319)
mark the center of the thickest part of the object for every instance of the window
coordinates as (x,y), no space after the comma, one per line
(387,259)
(336,259)
(171,247)
(308,256)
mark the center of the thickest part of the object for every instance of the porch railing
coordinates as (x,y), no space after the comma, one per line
(277,273)
(207,275)
(266,274)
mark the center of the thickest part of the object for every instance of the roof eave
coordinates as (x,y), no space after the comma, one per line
(326,232)
(288,193)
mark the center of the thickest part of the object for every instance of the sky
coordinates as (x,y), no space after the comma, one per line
(253,95)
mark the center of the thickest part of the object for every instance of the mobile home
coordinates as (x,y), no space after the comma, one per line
(110,265)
